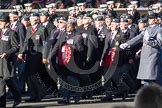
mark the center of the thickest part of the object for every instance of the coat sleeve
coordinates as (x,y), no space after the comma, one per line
(137,39)
(14,45)
(106,46)
(21,34)
(54,50)
(44,41)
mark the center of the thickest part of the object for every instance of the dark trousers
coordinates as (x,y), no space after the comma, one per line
(37,89)
(13,88)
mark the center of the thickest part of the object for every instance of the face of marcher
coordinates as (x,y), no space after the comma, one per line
(141,25)
(69,27)
(13,17)
(108,21)
(2,24)
(123,25)
(99,24)
(43,18)
(151,21)
(114,26)
(82,8)
(52,10)
(61,24)
(111,6)
(28,9)
(79,22)
(25,23)
(130,21)
(34,20)
(86,20)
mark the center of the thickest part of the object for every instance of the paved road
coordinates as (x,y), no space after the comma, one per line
(50,102)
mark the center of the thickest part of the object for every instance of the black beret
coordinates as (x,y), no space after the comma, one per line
(152,15)
(71,22)
(34,14)
(129,16)
(72,15)
(25,17)
(62,18)
(14,12)
(116,20)
(123,20)
(142,20)
(109,15)
(56,19)
(99,18)
(80,16)
(44,14)
(4,17)
(101,13)
(87,15)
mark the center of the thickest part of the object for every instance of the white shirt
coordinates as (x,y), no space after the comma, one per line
(13,25)
(45,24)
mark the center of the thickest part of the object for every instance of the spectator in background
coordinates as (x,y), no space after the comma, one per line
(149,97)
(60,5)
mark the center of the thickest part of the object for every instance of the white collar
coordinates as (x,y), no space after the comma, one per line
(34,26)
(45,23)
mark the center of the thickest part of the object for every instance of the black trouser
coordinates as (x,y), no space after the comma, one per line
(13,88)
(37,89)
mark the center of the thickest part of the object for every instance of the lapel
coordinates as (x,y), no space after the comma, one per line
(29,31)
(7,31)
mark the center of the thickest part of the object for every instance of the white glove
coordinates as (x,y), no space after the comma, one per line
(124,45)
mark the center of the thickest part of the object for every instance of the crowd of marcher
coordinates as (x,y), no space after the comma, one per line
(92,53)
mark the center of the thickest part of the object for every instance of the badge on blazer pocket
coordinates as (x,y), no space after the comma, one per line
(84,35)
(37,37)
(70,41)
(5,38)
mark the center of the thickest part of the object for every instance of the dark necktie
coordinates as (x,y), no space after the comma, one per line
(111,35)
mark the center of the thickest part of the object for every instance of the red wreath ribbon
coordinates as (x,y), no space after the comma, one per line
(109,57)
(64,57)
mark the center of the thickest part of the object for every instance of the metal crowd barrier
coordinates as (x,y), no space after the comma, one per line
(63,12)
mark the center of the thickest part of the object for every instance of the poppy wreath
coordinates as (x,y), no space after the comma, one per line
(64,55)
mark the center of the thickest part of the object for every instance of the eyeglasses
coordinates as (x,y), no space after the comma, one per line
(60,22)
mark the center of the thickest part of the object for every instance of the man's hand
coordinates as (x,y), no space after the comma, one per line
(20,56)
(3,55)
(124,46)
(44,61)
(131,61)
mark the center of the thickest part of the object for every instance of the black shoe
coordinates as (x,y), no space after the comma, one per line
(122,95)
(16,103)
(33,100)
(106,99)
(76,100)
(64,102)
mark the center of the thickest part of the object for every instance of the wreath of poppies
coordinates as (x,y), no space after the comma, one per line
(64,55)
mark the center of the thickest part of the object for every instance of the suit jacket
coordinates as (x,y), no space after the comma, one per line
(49,28)
(76,45)
(55,35)
(124,55)
(35,42)
(20,30)
(90,39)
(135,29)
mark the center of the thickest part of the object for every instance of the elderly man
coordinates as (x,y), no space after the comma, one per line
(9,45)
(33,49)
